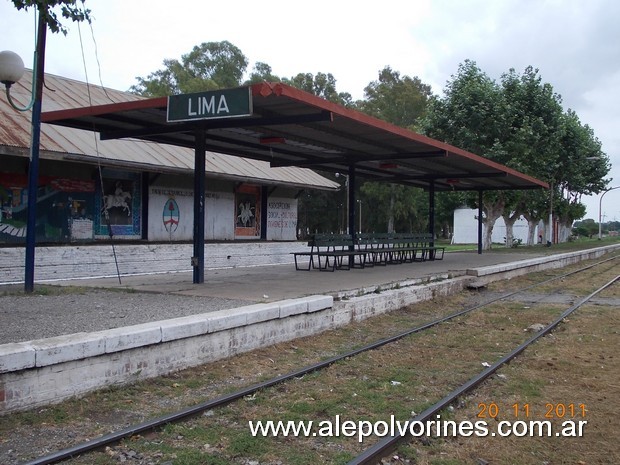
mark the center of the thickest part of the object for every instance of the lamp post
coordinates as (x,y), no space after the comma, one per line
(600,212)
(11,70)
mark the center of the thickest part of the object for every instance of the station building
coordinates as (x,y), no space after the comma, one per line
(134,189)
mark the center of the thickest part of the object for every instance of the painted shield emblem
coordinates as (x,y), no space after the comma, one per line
(171,215)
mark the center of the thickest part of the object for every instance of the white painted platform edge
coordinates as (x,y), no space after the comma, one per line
(503,267)
(77,346)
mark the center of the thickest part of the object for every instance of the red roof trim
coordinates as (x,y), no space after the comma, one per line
(266,89)
(279,89)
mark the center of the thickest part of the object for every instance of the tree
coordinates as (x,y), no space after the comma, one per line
(262,72)
(403,208)
(585,228)
(68,10)
(521,124)
(209,66)
(400,100)
(582,167)
(445,204)
(470,116)
(533,116)
(322,85)
(323,211)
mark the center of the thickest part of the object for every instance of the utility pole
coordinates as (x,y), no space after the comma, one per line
(33,169)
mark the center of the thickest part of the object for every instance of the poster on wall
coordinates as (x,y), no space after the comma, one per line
(118,205)
(247,217)
(65,208)
(281,219)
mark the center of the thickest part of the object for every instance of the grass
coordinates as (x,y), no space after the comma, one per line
(577,244)
(557,373)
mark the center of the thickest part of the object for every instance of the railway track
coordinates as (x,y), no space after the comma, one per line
(387,445)
(383,447)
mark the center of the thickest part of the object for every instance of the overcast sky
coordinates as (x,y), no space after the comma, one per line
(574,43)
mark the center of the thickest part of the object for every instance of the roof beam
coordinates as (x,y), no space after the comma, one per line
(360,158)
(217,124)
(435,177)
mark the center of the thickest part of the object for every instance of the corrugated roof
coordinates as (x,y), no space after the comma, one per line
(64,143)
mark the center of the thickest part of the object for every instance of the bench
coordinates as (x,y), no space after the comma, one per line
(339,251)
(329,251)
(384,249)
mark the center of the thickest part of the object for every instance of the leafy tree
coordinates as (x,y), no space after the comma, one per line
(445,204)
(402,208)
(582,166)
(322,85)
(582,162)
(534,207)
(400,100)
(209,66)
(262,72)
(470,117)
(48,9)
(586,228)
(322,211)
(533,113)
(520,123)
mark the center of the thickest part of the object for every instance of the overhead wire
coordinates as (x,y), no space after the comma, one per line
(98,155)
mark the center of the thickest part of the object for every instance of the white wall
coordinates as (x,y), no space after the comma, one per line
(466,228)
(220,215)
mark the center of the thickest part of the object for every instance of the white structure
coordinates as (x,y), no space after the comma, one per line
(466,228)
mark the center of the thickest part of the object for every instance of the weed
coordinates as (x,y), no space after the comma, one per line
(243,444)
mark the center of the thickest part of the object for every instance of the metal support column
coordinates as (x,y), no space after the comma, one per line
(264,204)
(480,222)
(351,210)
(431,217)
(198,260)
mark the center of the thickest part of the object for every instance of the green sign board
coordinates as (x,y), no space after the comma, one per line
(215,104)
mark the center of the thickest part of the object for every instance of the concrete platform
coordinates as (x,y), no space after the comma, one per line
(276,282)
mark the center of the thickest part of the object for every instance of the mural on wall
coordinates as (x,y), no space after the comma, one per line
(118,206)
(171,216)
(247,219)
(64,208)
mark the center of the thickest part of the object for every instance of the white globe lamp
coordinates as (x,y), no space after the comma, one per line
(11,68)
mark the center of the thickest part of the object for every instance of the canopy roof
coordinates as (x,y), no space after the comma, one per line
(290,127)
(67,144)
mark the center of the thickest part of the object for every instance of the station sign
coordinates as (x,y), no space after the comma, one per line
(214,104)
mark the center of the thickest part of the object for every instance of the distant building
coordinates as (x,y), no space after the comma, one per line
(137,189)
(466,228)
